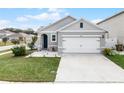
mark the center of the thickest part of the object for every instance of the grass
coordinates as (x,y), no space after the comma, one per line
(7,43)
(117,59)
(21,69)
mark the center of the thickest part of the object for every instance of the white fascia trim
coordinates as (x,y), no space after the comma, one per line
(78,21)
(94,25)
(67,25)
(83,31)
(57,22)
(42,32)
(81,36)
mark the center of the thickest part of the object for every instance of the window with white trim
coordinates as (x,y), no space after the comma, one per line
(53,38)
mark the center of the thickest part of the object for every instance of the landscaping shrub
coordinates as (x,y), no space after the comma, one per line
(15,41)
(19,51)
(107,51)
(119,47)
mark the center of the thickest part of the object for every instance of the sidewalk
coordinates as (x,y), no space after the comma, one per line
(2,48)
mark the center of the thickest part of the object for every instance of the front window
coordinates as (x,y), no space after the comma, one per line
(81,25)
(53,38)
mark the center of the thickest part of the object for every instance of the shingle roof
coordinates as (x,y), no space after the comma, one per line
(56,22)
(110,17)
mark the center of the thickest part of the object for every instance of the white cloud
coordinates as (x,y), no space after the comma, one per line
(26,26)
(21,19)
(45,16)
(66,14)
(56,10)
(51,14)
(41,16)
(4,23)
(96,20)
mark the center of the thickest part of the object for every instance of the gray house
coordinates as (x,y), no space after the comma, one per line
(115,27)
(70,35)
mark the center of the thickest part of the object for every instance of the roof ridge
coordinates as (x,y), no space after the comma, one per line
(79,20)
(57,22)
(116,14)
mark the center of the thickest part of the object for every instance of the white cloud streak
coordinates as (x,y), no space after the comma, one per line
(51,14)
(96,20)
(4,23)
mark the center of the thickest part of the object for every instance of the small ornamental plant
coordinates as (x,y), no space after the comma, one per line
(19,51)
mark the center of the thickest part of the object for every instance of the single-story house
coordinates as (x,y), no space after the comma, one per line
(27,38)
(115,27)
(4,33)
(69,35)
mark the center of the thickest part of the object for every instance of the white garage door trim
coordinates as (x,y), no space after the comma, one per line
(81,45)
(81,36)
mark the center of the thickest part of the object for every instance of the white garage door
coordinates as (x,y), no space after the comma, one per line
(81,45)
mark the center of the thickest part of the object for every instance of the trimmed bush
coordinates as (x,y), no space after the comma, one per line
(19,51)
(107,51)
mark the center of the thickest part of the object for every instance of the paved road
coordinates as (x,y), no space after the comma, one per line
(2,48)
(88,68)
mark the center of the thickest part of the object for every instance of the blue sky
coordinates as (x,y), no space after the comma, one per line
(33,17)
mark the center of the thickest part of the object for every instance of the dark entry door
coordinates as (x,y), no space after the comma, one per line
(45,41)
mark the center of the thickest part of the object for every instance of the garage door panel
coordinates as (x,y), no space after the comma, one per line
(81,45)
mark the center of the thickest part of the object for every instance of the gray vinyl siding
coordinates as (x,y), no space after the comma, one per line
(86,26)
(115,27)
(49,39)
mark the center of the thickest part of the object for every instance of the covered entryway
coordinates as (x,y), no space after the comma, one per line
(81,44)
(45,41)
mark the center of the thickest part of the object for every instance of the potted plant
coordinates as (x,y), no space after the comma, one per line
(119,47)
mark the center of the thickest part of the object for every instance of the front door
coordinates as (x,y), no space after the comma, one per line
(45,41)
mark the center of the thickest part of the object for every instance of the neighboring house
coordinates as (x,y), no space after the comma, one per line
(70,35)
(4,33)
(27,38)
(115,27)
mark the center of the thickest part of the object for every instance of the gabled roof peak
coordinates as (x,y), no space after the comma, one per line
(57,22)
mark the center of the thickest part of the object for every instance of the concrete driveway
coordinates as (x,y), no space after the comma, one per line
(88,68)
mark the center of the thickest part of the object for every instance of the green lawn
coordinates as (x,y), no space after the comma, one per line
(42,69)
(117,59)
(7,43)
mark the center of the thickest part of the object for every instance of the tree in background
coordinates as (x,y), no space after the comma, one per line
(4,40)
(31,45)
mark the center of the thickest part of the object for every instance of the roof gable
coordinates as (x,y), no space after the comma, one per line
(76,26)
(58,24)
